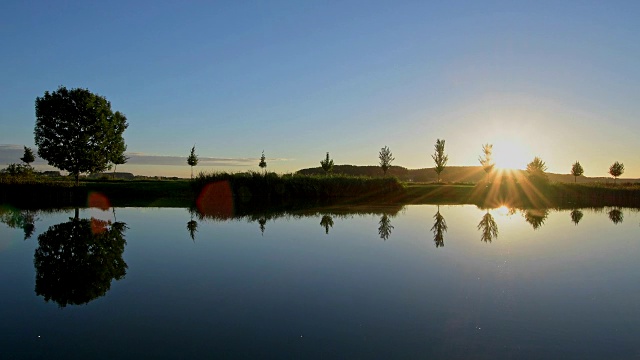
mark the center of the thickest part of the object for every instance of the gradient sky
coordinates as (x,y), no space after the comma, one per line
(557,79)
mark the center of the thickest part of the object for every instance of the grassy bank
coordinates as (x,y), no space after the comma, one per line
(257,190)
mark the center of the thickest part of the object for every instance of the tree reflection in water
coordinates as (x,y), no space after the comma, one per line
(192,225)
(488,228)
(576,216)
(616,216)
(326,222)
(24,219)
(384,230)
(263,222)
(77,260)
(536,217)
(439,228)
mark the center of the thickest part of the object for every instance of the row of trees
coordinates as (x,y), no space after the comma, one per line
(78,132)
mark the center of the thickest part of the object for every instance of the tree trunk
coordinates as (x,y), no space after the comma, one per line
(77,179)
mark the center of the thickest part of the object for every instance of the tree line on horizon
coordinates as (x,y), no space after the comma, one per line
(78,132)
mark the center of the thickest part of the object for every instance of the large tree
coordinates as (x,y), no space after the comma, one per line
(439,157)
(77,131)
(616,170)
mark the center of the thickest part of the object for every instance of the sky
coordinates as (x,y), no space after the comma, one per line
(554,79)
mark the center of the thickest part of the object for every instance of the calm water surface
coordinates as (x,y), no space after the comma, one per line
(417,282)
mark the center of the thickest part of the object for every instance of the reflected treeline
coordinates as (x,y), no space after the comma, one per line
(192,226)
(488,228)
(439,228)
(76,261)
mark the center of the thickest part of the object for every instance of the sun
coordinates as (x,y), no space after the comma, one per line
(511,154)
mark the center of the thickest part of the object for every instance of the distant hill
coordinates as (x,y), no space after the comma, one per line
(451,174)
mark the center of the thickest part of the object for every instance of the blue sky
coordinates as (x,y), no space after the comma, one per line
(556,79)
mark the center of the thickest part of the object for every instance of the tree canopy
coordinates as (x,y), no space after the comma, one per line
(439,157)
(536,169)
(263,162)
(28,156)
(192,160)
(486,160)
(77,131)
(576,170)
(616,170)
(386,158)
(327,164)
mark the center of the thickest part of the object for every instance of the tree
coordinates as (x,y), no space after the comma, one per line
(616,170)
(386,158)
(119,160)
(439,157)
(28,157)
(487,159)
(263,162)
(576,170)
(77,131)
(327,164)
(536,169)
(192,160)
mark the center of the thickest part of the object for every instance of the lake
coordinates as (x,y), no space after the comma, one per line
(419,281)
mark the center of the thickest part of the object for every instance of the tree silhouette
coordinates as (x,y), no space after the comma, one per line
(536,217)
(616,216)
(262,222)
(77,260)
(439,157)
(576,216)
(488,228)
(263,163)
(23,219)
(120,159)
(326,222)
(576,170)
(386,158)
(192,227)
(616,170)
(439,228)
(192,160)
(486,160)
(28,156)
(77,131)
(536,170)
(327,164)
(385,227)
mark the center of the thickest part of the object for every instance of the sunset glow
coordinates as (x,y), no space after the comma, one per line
(509,154)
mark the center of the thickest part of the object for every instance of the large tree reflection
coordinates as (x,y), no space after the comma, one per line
(77,260)
(488,228)
(439,228)
(536,217)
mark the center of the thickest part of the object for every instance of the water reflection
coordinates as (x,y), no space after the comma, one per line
(76,261)
(536,217)
(385,227)
(616,216)
(439,228)
(326,222)
(19,219)
(576,216)
(192,226)
(262,222)
(488,228)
